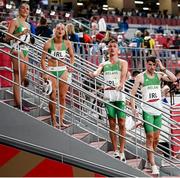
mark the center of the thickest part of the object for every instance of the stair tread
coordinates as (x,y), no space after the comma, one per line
(80,135)
(97,144)
(134,162)
(110,153)
(7,100)
(41,118)
(149,172)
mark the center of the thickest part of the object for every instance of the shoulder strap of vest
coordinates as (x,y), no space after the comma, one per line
(52,44)
(63,46)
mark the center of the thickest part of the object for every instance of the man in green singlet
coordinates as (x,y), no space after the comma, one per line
(57,47)
(150,83)
(114,71)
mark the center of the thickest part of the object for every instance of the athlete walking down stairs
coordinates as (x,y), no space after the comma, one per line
(150,83)
(114,71)
(58,47)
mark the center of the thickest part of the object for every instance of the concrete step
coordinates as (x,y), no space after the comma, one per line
(133,162)
(80,135)
(43,118)
(97,144)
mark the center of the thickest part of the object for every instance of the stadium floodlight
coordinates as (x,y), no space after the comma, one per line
(80,4)
(52,13)
(105,5)
(38,11)
(67,15)
(8,6)
(138,2)
(145,8)
(105,8)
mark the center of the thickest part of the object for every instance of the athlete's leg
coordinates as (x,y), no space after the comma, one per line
(111,113)
(158,123)
(63,88)
(122,131)
(156,139)
(112,134)
(52,106)
(149,136)
(121,123)
(23,72)
(149,145)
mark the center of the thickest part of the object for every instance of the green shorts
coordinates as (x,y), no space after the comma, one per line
(155,120)
(113,112)
(57,73)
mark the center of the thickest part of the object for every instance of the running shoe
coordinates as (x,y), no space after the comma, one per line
(116,154)
(154,169)
(122,157)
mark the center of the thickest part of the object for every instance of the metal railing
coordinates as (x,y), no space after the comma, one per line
(77,101)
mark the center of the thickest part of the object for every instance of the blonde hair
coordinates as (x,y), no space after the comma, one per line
(70,29)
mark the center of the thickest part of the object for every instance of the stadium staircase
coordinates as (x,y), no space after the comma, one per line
(85,142)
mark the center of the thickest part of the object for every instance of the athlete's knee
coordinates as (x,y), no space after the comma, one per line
(62,97)
(149,138)
(53,95)
(112,124)
(121,123)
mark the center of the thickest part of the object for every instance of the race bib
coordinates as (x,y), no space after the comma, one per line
(59,54)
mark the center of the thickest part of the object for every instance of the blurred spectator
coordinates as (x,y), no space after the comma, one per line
(94,25)
(108,37)
(102,25)
(148,43)
(43,29)
(136,44)
(177,83)
(122,43)
(130,83)
(95,47)
(72,35)
(32,25)
(123,25)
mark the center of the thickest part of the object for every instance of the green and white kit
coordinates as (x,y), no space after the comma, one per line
(151,93)
(60,54)
(112,74)
(25,38)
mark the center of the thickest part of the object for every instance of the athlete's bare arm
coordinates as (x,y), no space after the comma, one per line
(137,83)
(71,52)
(44,55)
(166,75)
(97,72)
(124,70)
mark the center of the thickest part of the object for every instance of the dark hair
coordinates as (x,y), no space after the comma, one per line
(135,73)
(43,21)
(113,41)
(177,71)
(151,58)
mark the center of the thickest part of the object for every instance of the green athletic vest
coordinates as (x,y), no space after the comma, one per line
(112,73)
(57,53)
(25,38)
(151,93)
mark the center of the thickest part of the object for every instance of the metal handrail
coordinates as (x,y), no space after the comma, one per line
(76,88)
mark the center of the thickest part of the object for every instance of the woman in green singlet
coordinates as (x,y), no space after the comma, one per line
(20,28)
(58,47)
